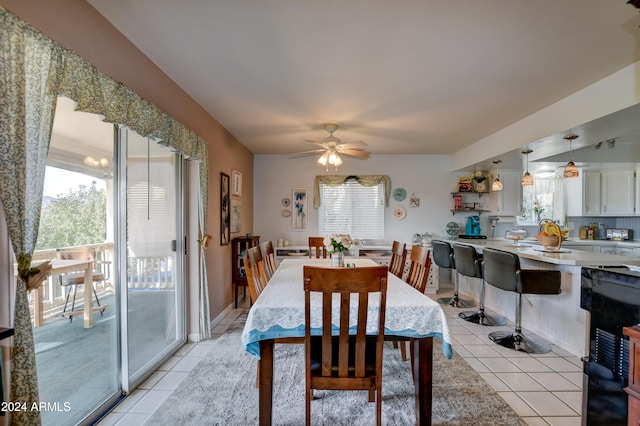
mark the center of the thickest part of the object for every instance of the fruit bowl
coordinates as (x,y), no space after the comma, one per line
(550,235)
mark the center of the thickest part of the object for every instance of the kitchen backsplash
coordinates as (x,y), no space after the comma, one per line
(609,222)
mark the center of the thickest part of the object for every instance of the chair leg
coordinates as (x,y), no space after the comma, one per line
(379,406)
(403,350)
(455,301)
(516,340)
(480,317)
(97,300)
(66,301)
(73,303)
(308,407)
(372,396)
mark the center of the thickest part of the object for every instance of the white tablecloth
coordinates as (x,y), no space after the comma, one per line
(279,311)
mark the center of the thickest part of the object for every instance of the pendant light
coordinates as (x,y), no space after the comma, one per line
(497,185)
(570,170)
(527,179)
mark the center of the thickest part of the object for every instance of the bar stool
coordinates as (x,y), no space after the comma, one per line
(469,264)
(502,270)
(443,257)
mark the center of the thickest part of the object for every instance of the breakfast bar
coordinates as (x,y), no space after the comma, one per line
(558,319)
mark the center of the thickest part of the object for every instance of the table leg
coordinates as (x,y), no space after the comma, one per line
(88,297)
(38,308)
(266,382)
(422,379)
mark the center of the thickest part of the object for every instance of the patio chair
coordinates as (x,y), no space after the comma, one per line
(336,359)
(74,279)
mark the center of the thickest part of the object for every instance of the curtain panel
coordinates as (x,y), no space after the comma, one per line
(34,71)
(364,180)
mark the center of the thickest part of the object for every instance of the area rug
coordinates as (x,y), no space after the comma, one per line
(221,390)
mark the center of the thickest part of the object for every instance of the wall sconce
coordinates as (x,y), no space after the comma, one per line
(497,185)
(570,170)
(527,179)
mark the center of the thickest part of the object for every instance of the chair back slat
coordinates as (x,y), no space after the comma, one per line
(419,268)
(398,259)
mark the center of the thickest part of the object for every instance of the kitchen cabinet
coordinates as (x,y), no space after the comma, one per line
(618,192)
(510,198)
(583,194)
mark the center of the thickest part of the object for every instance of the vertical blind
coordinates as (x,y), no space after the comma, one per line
(353,209)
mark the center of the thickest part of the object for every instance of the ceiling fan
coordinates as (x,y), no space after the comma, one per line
(332,147)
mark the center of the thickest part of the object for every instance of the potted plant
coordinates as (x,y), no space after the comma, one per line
(479,182)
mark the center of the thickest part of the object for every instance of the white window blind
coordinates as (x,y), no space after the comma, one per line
(353,209)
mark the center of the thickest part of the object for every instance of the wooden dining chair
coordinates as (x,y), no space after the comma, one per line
(336,359)
(269,258)
(419,268)
(254,269)
(398,259)
(317,248)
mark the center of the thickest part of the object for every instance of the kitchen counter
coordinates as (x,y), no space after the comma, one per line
(556,318)
(530,249)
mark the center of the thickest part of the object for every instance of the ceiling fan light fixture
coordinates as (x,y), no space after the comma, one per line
(570,170)
(324,158)
(527,179)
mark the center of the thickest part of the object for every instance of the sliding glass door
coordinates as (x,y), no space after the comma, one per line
(152,290)
(109,192)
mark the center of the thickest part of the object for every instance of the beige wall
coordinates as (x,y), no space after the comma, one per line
(79,27)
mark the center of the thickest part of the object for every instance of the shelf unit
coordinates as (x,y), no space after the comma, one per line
(467,210)
(239,248)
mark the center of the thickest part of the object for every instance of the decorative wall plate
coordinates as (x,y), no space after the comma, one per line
(286,202)
(286,213)
(399,194)
(399,213)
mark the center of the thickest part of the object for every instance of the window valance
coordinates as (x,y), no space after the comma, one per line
(95,92)
(364,180)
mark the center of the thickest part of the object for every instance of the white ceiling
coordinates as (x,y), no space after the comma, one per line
(410,76)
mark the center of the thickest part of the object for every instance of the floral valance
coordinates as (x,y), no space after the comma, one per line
(95,92)
(364,180)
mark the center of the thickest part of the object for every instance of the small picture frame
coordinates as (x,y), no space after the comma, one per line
(236,183)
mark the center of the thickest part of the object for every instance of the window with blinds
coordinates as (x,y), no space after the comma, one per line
(353,209)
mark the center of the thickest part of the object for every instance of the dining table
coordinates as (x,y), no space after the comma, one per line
(278,315)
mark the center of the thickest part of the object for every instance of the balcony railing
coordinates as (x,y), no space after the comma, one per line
(143,273)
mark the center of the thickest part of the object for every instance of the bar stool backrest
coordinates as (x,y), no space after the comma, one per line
(468,261)
(442,254)
(501,269)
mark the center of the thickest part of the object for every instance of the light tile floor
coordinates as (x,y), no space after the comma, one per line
(543,389)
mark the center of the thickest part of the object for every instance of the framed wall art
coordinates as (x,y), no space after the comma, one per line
(225,210)
(299,199)
(236,183)
(236,210)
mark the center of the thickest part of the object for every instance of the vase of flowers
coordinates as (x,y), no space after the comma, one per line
(337,245)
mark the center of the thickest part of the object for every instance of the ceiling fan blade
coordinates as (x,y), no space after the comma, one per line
(306,153)
(354,145)
(314,142)
(355,153)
